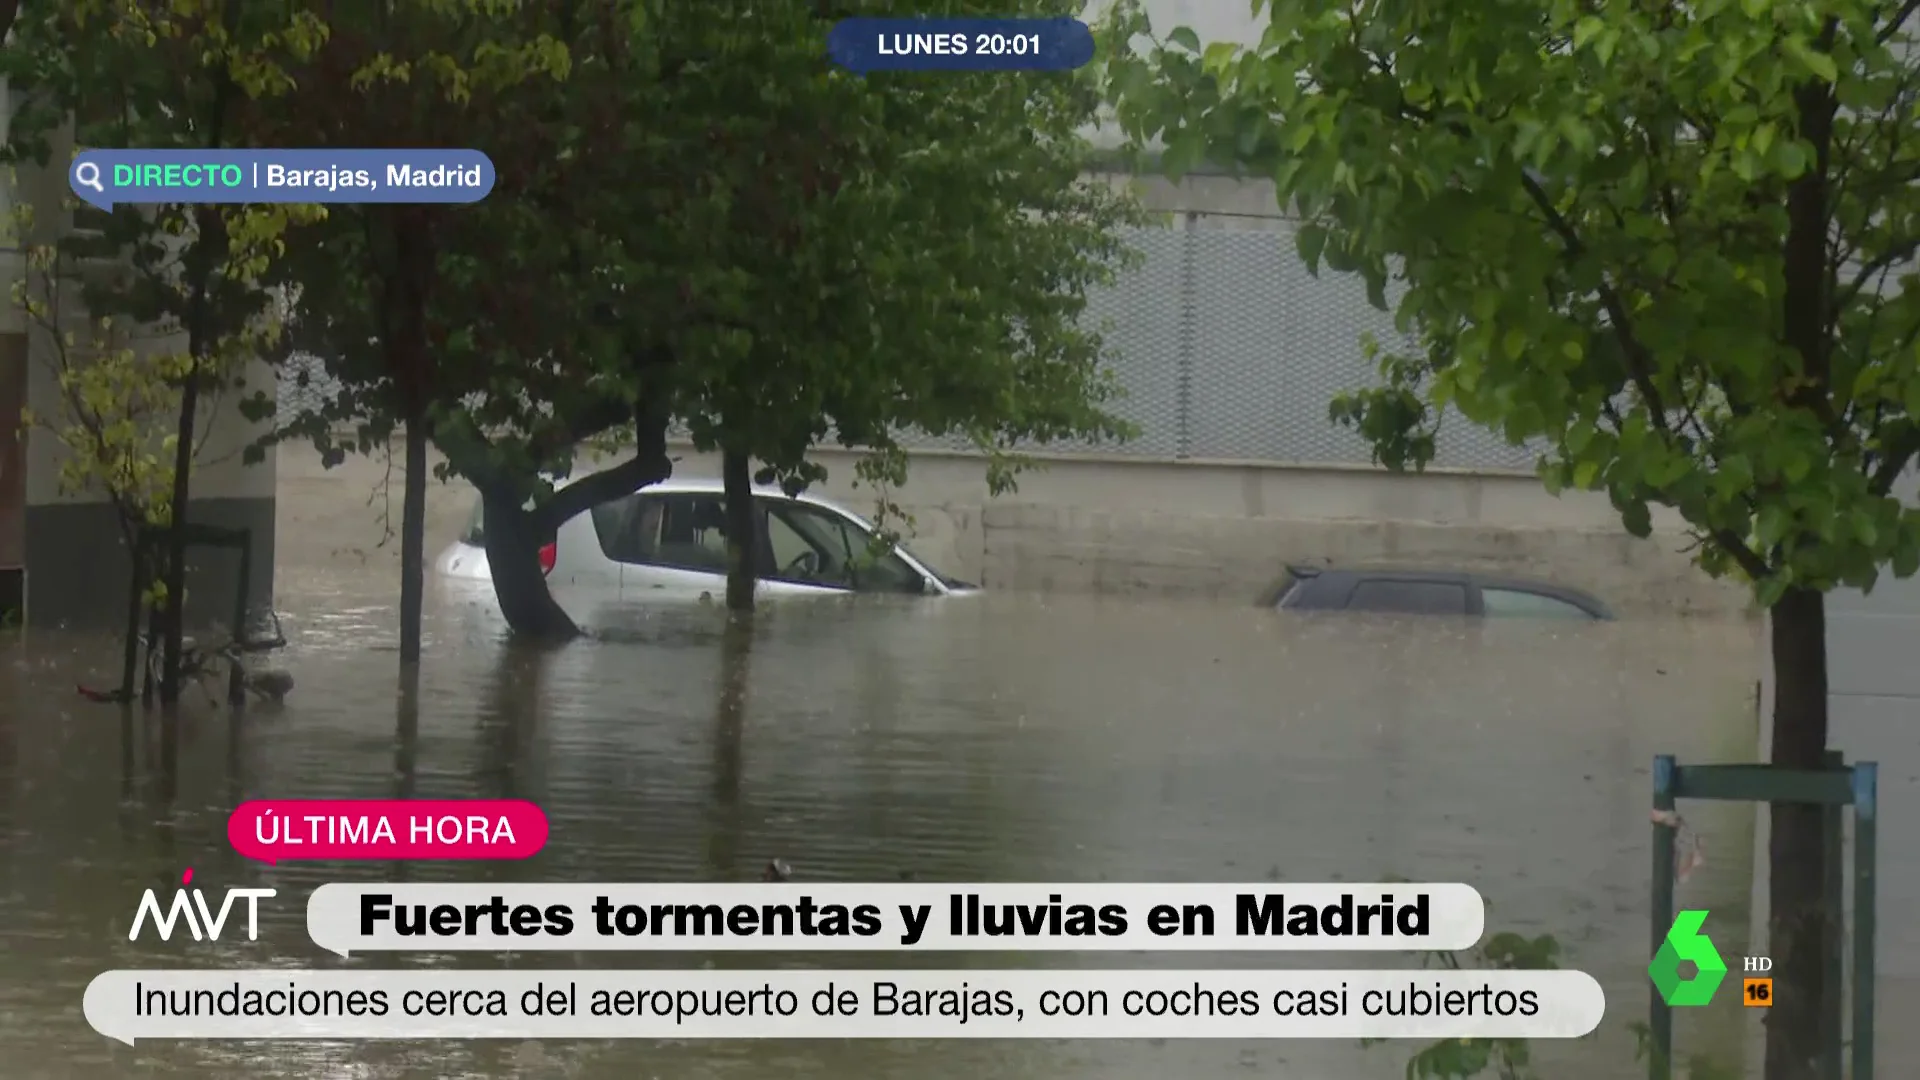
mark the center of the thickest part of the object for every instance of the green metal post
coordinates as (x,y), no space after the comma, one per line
(1833,787)
(1866,834)
(1659,1014)
(1833,932)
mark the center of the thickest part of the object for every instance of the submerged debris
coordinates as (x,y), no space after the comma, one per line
(1689,847)
(270,685)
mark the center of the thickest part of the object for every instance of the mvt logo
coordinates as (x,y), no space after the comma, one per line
(1686,943)
(190,905)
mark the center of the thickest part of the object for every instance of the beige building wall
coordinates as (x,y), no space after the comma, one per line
(76,563)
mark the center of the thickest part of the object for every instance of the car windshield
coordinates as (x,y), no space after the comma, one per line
(900,547)
(608,522)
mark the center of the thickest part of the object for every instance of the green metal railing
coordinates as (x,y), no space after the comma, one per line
(1836,787)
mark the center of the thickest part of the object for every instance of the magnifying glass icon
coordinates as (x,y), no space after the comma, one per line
(87,174)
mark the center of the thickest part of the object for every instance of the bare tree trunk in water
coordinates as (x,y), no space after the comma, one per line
(173,610)
(513,543)
(413,539)
(1799,929)
(514,534)
(139,586)
(736,473)
(210,238)
(723,845)
(406,736)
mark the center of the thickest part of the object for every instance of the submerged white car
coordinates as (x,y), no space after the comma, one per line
(669,539)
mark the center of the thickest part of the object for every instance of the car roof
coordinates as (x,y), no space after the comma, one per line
(713,485)
(1481,579)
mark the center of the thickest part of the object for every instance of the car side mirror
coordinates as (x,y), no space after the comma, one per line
(929,587)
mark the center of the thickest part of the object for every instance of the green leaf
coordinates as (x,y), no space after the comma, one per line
(1818,63)
(1865,529)
(1184,37)
(1219,58)
(1637,518)
(1311,240)
(1789,159)
(1184,153)
(1906,558)
(1770,525)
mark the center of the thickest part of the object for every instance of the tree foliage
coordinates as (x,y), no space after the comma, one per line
(695,221)
(702,222)
(176,75)
(1672,244)
(117,398)
(917,256)
(388,294)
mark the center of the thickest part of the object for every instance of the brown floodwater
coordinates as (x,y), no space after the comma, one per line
(984,739)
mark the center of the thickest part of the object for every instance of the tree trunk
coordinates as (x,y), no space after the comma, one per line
(736,473)
(729,755)
(136,606)
(513,534)
(513,555)
(173,618)
(1799,930)
(413,539)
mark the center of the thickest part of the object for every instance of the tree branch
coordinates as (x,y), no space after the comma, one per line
(1900,252)
(1638,360)
(1743,556)
(648,465)
(1899,453)
(1899,19)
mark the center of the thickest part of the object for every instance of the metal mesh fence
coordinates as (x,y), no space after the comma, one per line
(1225,349)
(304,387)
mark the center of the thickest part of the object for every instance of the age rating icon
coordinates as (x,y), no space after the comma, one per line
(1686,943)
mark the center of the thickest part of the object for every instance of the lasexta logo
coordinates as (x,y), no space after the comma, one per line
(1686,943)
(190,905)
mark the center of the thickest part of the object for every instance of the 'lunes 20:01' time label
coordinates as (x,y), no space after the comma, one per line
(867,45)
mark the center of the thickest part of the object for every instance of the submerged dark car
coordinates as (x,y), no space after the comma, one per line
(1396,591)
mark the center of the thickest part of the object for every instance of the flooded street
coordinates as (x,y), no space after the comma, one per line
(987,739)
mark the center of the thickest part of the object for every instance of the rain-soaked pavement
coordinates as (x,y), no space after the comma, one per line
(985,739)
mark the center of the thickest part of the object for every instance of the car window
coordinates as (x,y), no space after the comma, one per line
(617,523)
(792,552)
(1524,604)
(1285,593)
(815,546)
(685,532)
(1405,597)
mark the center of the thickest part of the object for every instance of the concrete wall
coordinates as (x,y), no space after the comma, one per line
(1217,530)
(77,570)
(1226,530)
(13,476)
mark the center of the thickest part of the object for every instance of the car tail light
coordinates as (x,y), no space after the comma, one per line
(548,556)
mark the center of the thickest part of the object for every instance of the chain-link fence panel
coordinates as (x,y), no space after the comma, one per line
(304,388)
(1224,347)
(1275,344)
(1144,319)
